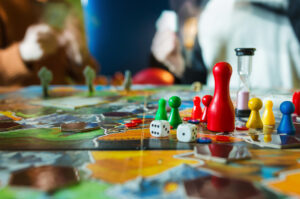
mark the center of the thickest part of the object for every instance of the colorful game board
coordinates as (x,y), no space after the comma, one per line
(77,145)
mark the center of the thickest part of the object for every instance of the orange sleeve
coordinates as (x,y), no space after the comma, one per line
(12,67)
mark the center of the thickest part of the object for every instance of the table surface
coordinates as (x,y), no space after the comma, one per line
(39,160)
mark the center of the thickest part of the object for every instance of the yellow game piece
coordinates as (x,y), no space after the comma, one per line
(11,115)
(267,137)
(268,129)
(171,187)
(254,136)
(196,86)
(254,120)
(268,117)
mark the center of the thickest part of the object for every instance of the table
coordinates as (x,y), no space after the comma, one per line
(102,158)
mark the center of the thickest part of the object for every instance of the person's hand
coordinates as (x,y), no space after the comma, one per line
(39,41)
(72,45)
(166,49)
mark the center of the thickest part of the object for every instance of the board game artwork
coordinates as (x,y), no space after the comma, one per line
(145,141)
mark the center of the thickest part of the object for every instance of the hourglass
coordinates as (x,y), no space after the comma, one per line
(244,56)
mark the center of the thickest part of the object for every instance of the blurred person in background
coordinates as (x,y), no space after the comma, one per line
(272,27)
(37,33)
(173,43)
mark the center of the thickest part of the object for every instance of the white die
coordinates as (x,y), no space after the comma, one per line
(187,132)
(160,128)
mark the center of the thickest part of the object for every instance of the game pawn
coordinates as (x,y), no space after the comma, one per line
(197,111)
(174,118)
(89,75)
(220,114)
(268,117)
(196,86)
(254,121)
(45,76)
(267,137)
(296,102)
(127,81)
(161,113)
(205,101)
(286,125)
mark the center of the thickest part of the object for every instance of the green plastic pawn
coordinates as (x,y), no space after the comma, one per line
(161,113)
(89,75)
(45,76)
(174,118)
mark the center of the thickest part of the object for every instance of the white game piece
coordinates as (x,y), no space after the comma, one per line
(187,132)
(159,128)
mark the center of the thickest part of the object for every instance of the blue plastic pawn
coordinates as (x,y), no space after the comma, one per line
(286,125)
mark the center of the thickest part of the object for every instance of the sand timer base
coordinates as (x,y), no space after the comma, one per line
(242,113)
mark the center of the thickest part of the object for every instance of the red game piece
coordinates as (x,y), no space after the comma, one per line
(220,114)
(241,128)
(197,111)
(137,121)
(222,138)
(131,124)
(205,101)
(220,182)
(220,150)
(296,102)
(186,118)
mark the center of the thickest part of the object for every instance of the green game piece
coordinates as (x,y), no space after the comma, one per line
(174,118)
(161,113)
(89,75)
(127,81)
(45,76)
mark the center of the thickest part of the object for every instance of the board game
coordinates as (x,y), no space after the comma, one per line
(76,145)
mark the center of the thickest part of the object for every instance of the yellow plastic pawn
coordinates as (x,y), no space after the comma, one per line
(268,117)
(267,137)
(254,120)
(268,129)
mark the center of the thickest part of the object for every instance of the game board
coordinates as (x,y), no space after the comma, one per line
(114,161)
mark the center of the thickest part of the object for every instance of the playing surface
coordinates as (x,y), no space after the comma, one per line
(115,161)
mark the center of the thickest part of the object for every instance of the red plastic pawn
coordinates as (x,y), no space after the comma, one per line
(137,121)
(130,124)
(296,102)
(223,138)
(220,114)
(197,111)
(220,150)
(186,119)
(205,101)
(220,182)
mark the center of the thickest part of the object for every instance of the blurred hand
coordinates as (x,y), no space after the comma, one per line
(166,49)
(39,41)
(72,45)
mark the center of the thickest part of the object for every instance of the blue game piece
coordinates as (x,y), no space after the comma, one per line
(204,140)
(194,121)
(286,125)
